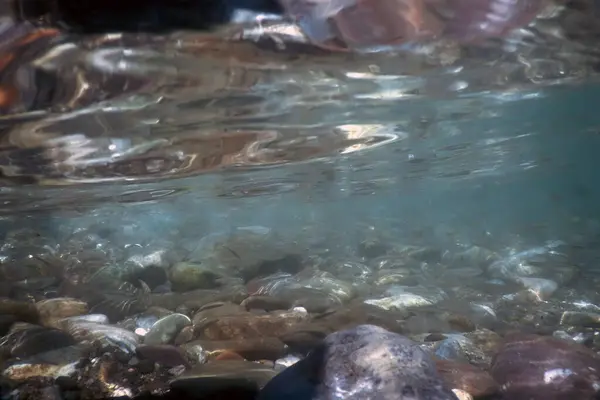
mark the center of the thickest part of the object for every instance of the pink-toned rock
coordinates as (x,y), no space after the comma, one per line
(360,24)
(466,377)
(363,23)
(532,367)
(476,19)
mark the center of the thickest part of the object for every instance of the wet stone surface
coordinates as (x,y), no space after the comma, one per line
(249,316)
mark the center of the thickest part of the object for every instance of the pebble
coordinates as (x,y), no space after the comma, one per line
(24,371)
(22,310)
(462,395)
(93,318)
(33,340)
(107,334)
(185,276)
(221,378)
(306,331)
(251,326)
(267,303)
(581,319)
(210,312)
(166,329)
(541,288)
(184,336)
(59,308)
(6,322)
(467,378)
(264,348)
(167,355)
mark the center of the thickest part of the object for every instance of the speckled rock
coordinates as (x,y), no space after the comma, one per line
(364,363)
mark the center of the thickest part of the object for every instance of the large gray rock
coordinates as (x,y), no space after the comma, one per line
(363,363)
(247,253)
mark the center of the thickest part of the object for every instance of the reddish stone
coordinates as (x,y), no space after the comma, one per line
(228,355)
(532,367)
(467,377)
(477,19)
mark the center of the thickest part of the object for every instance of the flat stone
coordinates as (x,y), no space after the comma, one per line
(242,379)
(251,326)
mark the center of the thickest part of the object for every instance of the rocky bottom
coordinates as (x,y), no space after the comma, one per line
(248,317)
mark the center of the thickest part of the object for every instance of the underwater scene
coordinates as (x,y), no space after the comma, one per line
(300,200)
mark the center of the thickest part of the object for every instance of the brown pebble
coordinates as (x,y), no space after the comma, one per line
(208,315)
(184,336)
(23,311)
(167,355)
(59,308)
(434,337)
(466,377)
(251,326)
(266,303)
(228,355)
(250,349)
(460,323)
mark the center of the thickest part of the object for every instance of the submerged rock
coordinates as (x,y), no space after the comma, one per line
(215,311)
(252,326)
(22,310)
(199,298)
(248,252)
(363,363)
(225,379)
(187,276)
(466,377)
(532,367)
(580,319)
(25,371)
(30,340)
(59,308)
(457,347)
(169,356)
(166,329)
(401,297)
(541,288)
(305,336)
(106,334)
(311,288)
(251,349)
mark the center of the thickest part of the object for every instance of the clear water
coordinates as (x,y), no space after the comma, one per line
(190,133)
(120,148)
